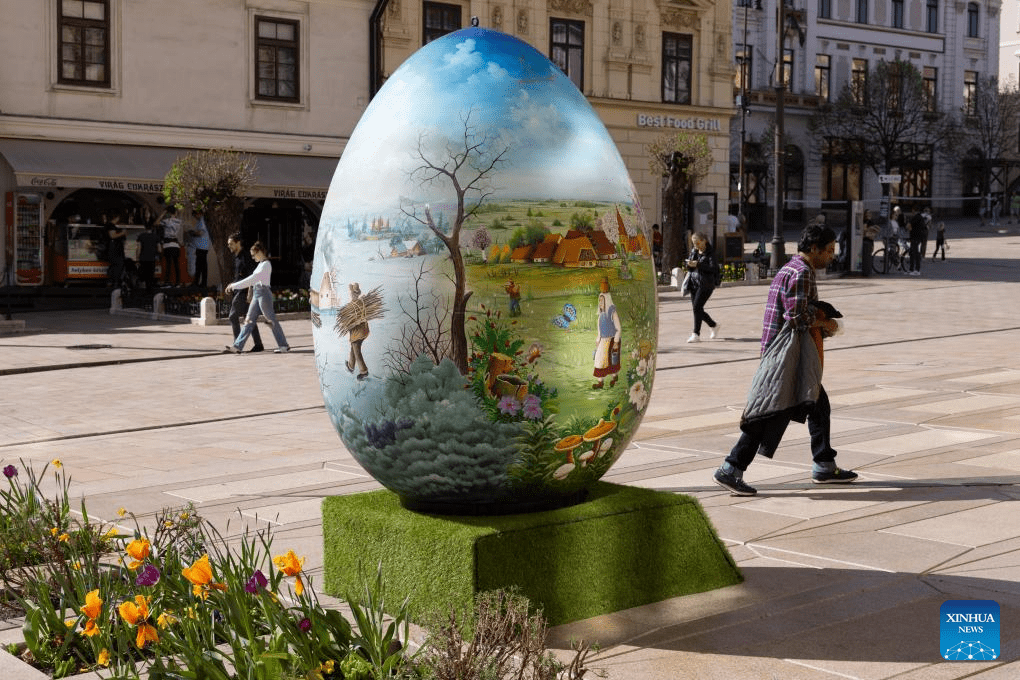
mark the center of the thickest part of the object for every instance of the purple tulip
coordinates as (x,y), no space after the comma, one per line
(305,625)
(148,576)
(10,471)
(256,582)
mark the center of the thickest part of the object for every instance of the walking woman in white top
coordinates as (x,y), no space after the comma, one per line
(261,301)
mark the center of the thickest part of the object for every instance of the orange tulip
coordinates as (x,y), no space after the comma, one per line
(200,574)
(138,549)
(291,565)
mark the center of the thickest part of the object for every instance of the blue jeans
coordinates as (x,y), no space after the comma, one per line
(261,302)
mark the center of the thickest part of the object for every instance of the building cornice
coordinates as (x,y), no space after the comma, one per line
(138,134)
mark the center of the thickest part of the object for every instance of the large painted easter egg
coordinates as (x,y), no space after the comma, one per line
(485,314)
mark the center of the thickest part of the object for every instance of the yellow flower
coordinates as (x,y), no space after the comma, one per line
(290,565)
(56,463)
(137,614)
(183,516)
(77,566)
(104,658)
(64,538)
(168,524)
(165,620)
(54,531)
(121,512)
(71,623)
(138,549)
(200,574)
(111,533)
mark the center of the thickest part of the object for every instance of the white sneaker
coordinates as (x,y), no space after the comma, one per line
(714,331)
(694,338)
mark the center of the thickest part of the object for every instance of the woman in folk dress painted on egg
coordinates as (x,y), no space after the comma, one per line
(607,340)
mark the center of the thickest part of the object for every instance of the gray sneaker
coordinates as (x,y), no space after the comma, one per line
(733,484)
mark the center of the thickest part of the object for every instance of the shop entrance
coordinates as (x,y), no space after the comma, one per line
(287,227)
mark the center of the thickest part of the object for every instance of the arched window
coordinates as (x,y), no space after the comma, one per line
(973,12)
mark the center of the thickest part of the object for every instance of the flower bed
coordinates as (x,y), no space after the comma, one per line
(179,601)
(183,302)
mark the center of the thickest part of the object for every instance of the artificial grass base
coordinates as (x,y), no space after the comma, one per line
(622,548)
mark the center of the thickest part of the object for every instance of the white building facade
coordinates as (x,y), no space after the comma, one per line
(952,43)
(100,97)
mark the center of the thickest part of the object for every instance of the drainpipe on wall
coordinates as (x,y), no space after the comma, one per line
(375,47)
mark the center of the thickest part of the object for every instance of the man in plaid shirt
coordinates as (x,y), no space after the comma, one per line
(791,295)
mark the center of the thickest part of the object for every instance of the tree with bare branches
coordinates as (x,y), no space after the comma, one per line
(883,120)
(425,331)
(990,128)
(464,165)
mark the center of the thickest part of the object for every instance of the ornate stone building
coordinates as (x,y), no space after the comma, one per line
(646,67)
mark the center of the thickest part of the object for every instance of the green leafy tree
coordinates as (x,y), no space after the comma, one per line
(684,159)
(214,182)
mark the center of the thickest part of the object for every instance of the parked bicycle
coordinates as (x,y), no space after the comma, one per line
(892,256)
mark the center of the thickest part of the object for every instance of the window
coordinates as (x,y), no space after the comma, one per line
(970,92)
(438,19)
(567,48)
(824,9)
(84,28)
(933,16)
(841,170)
(859,81)
(897,13)
(276,59)
(895,87)
(862,11)
(931,77)
(676,67)
(972,19)
(787,69)
(822,64)
(743,55)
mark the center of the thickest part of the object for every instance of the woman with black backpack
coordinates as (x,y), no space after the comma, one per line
(704,274)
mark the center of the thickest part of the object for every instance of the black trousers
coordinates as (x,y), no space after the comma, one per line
(766,434)
(701,295)
(238,310)
(201,269)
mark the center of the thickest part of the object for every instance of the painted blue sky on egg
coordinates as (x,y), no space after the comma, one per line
(557,146)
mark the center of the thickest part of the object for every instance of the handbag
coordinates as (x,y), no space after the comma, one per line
(685,286)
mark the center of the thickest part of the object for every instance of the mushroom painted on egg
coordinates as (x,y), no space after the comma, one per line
(485,298)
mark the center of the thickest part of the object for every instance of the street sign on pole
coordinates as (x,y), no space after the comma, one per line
(890,179)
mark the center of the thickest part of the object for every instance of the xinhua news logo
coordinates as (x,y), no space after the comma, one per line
(969,630)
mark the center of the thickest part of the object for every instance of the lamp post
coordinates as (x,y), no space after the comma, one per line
(778,244)
(743,114)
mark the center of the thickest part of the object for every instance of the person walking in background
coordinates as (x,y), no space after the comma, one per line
(171,227)
(703,269)
(940,241)
(261,301)
(787,385)
(917,231)
(116,236)
(870,233)
(147,247)
(926,214)
(244,265)
(657,249)
(199,238)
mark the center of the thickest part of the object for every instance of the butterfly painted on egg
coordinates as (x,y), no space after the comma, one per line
(568,316)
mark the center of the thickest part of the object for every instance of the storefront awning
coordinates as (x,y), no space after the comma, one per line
(41,165)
